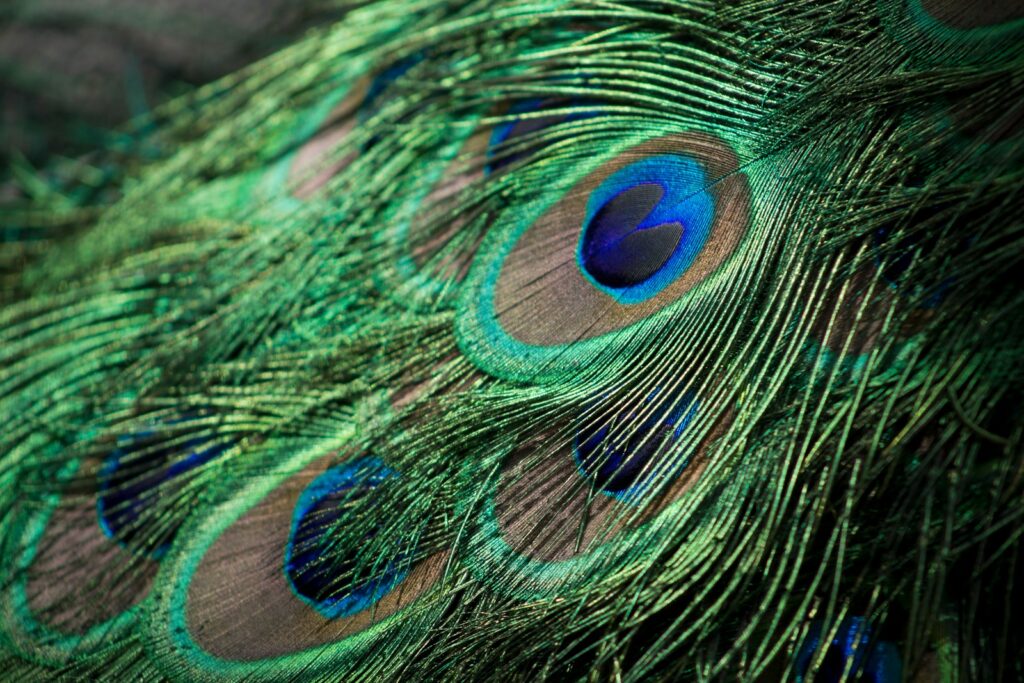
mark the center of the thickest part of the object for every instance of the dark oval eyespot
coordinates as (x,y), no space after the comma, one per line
(562,281)
(326,575)
(87,559)
(628,452)
(136,477)
(617,250)
(290,527)
(956,32)
(854,651)
(645,225)
(373,100)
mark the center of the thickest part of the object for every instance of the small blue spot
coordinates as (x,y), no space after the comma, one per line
(855,649)
(507,132)
(625,453)
(328,577)
(139,474)
(383,81)
(371,103)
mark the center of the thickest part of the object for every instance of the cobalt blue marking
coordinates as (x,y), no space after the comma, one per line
(854,646)
(616,252)
(330,578)
(644,226)
(132,481)
(504,133)
(623,455)
(381,82)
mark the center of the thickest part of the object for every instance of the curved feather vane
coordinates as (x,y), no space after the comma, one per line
(532,339)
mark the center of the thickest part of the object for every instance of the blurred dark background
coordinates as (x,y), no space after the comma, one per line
(73,71)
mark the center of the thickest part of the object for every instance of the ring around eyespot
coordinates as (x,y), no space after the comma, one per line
(851,322)
(229,564)
(955,32)
(537,529)
(54,609)
(425,274)
(561,281)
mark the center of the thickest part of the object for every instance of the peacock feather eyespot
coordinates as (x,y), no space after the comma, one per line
(437,238)
(643,231)
(561,339)
(954,32)
(560,513)
(877,304)
(118,517)
(324,575)
(629,451)
(140,473)
(853,654)
(307,170)
(327,575)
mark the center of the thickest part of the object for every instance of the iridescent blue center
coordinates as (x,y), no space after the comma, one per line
(854,649)
(626,452)
(321,564)
(138,475)
(645,225)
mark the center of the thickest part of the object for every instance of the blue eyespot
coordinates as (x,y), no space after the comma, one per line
(645,225)
(136,476)
(855,651)
(507,132)
(321,571)
(627,452)
(371,103)
(383,81)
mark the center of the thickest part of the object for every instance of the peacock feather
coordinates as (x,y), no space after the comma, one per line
(532,339)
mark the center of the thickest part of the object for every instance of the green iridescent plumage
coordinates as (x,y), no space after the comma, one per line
(363,378)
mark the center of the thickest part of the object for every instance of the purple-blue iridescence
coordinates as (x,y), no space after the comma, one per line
(854,649)
(136,477)
(323,571)
(616,251)
(623,451)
